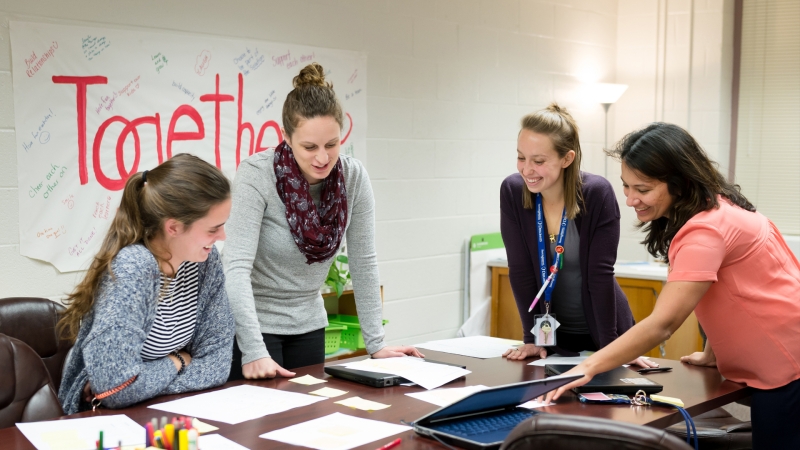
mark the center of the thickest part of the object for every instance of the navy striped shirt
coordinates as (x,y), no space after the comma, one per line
(176,314)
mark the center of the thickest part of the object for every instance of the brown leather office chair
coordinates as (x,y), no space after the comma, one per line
(26,392)
(561,432)
(33,321)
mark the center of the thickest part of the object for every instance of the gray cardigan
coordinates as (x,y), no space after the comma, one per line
(270,286)
(107,350)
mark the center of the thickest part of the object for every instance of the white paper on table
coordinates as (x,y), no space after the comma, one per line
(217,442)
(447,396)
(472,346)
(81,434)
(237,404)
(426,374)
(555,359)
(531,405)
(336,431)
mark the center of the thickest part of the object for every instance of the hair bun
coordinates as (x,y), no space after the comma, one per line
(311,75)
(556,108)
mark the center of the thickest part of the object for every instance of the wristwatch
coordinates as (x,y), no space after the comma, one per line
(176,354)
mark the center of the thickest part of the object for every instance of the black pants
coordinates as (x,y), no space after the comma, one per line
(774,414)
(289,351)
(575,342)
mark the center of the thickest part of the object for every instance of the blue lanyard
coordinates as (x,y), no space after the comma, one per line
(562,234)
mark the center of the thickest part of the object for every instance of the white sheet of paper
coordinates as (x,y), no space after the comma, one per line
(217,442)
(425,374)
(237,404)
(555,359)
(328,392)
(472,346)
(81,434)
(534,404)
(445,396)
(336,431)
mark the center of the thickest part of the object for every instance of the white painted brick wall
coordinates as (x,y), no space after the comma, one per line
(448,83)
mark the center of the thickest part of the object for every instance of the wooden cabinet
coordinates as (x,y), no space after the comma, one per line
(505,322)
(641,293)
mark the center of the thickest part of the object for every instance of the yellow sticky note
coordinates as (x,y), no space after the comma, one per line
(360,403)
(328,392)
(307,380)
(203,427)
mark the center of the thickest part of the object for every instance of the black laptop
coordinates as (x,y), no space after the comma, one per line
(620,380)
(483,419)
(376,379)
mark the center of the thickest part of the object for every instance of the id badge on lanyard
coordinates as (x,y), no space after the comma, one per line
(545,325)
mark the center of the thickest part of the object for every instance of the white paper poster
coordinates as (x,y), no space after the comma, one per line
(95,105)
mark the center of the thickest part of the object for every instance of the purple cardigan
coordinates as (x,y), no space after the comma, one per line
(608,314)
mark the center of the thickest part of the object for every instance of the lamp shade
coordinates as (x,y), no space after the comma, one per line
(607,93)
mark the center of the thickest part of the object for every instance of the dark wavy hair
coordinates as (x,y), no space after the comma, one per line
(668,153)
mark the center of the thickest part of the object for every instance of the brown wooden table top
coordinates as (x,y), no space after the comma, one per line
(701,389)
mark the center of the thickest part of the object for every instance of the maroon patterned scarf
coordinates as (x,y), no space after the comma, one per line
(317,234)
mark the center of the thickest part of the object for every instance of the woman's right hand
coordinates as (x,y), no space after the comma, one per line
(524,352)
(700,359)
(264,368)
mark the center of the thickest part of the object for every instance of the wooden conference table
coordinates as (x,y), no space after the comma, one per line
(701,389)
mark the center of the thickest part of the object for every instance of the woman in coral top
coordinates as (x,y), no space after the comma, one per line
(728,263)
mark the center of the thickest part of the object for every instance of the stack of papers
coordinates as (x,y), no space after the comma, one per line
(237,404)
(425,374)
(82,433)
(335,432)
(472,346)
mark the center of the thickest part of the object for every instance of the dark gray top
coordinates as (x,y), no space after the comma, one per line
(566,301)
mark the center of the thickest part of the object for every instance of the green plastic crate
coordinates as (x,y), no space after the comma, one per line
(333,337)
(352,339)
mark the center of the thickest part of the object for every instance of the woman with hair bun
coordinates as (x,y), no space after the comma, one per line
(291,209)
(728,263)
(151,316)
(560,227)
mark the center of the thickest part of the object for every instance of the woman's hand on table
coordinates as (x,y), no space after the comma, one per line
(264,368)
(524,352)
(579,369)
(397,350)
(700,359)
(643,363)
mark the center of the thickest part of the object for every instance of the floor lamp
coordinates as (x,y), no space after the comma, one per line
(607,94)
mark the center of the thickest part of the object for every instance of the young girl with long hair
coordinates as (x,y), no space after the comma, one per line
(551,209)
(151,316)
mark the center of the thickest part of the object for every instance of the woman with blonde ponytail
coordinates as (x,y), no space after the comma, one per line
(560,227)
(292,208)
(151,316)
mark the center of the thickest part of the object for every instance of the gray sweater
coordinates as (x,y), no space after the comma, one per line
(271,288)
(108,349)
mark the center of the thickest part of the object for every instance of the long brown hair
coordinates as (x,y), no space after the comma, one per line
(559,125)
(311,97)
(184,188)
(668,153)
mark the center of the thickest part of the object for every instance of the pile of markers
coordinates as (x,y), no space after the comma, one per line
(178,434)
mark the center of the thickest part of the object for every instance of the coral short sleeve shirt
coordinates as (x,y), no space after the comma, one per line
(751,312)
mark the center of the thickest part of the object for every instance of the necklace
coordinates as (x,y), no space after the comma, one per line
(552,238)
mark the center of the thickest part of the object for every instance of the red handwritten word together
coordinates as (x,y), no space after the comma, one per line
(130,127)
